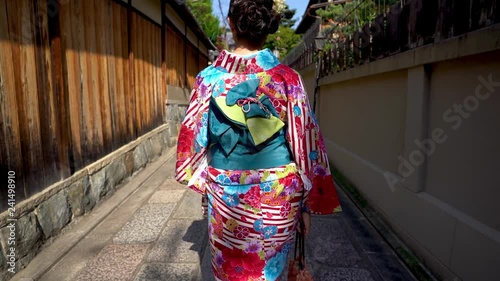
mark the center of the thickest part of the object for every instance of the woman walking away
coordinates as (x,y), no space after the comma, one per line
(251,146)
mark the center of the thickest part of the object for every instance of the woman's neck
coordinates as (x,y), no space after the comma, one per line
(244,49)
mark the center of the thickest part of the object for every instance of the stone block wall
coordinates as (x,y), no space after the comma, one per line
(176,114)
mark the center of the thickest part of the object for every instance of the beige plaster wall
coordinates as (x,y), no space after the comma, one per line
(367,116)
(444,206)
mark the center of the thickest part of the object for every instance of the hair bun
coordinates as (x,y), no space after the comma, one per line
(254,19)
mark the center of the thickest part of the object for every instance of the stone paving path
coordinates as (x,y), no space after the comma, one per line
(158,234)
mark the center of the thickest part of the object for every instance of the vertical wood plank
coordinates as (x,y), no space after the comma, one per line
(163,80)
(46,95)
(133,49)
(71,33)
(141,49)
(156,75)
(152,63)
(60,99)
(181,51)
(185,77)
(80,25)
(170,58)
(137,72)
(176,59)
(103,99)
(29,111)
(146,79)
(10,142)
(139,87)
(112,58)
(161,86)
(95,136)
(156,72)
(130,72)
(149,66)
(121,56)
(142,72)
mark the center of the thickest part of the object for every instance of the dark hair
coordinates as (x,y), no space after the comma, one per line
(254,19)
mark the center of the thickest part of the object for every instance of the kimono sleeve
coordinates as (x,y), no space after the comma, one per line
(308,148)
(193,141)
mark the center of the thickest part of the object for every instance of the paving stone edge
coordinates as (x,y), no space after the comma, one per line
(374,218)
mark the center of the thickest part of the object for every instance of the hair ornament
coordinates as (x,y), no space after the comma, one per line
(279,6)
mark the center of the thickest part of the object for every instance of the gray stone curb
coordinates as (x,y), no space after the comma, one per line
(61,246)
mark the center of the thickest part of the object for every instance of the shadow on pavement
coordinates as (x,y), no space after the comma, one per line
(201,247)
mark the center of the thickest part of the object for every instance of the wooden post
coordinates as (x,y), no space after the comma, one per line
(392,29)
(63,132)
(198,55)
(366,44)
(414,38)
(335,58)
(164,92)
(341,59)
(131,82)
(461,16)
(348,62)
(355,46)
(445,20)
(377,31)
(185,56)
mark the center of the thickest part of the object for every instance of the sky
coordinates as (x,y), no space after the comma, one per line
(300,5)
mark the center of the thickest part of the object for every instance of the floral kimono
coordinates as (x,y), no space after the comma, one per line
(251,145)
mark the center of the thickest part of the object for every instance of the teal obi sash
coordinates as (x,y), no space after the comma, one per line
(245,131)
(244,157)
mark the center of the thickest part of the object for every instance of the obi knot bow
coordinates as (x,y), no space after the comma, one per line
(242,106)
(245,96)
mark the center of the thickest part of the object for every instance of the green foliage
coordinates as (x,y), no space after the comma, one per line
(287,17)
(340,18)
(202,10)
(285,38)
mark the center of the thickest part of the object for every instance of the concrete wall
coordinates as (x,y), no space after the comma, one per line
(418,135)
(309,79)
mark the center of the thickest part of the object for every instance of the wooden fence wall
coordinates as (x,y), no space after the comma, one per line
(175,57)
(77,81)
(184,61)
(407,25)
